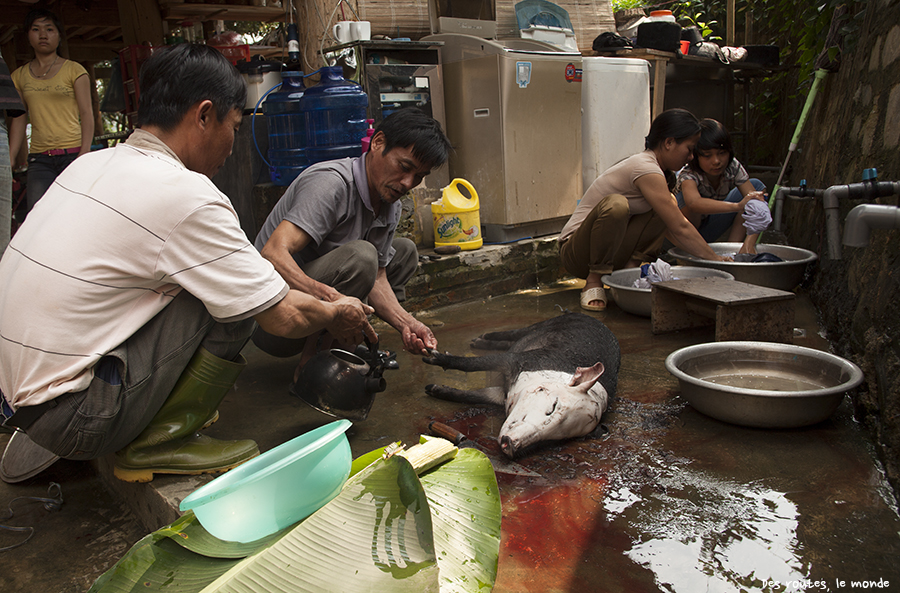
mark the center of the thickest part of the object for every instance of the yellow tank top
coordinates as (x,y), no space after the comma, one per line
(52,109)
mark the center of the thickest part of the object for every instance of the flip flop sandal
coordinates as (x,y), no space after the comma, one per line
(593,294)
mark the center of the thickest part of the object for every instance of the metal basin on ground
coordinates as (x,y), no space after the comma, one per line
(637,300)
(783,275)
(762,384)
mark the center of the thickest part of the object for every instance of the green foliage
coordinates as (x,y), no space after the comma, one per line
(703,14)
(706,28)
(618,5)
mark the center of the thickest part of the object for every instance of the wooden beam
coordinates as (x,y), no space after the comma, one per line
(748,24)
(729,28)
(105,33)
(197,12)
(141,22)
(95,54)
(104,12)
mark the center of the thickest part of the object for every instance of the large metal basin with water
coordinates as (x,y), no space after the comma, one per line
(637,300)
(783,275)
(762,384)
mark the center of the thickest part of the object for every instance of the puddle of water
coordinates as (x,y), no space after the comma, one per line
(704,534)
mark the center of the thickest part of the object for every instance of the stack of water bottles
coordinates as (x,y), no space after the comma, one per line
(308,125)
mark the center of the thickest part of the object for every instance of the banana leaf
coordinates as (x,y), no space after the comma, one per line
(388,529)
(158,564)
(466,527)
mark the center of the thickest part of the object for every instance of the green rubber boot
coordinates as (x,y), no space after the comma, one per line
(170,444)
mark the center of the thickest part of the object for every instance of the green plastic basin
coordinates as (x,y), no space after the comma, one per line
(275,489)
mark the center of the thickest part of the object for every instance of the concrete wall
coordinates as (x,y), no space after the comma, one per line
(856,125)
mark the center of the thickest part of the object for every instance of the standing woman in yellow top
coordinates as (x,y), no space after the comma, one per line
(57,93)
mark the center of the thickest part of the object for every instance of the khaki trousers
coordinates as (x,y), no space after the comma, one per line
(610,236)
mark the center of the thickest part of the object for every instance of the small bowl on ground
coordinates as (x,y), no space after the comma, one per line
(275,489)
(637,300)
(763,384)
(783,275)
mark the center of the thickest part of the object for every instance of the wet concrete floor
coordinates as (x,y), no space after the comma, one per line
(662,499)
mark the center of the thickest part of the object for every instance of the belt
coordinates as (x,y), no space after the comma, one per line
(60,151)
(25,416)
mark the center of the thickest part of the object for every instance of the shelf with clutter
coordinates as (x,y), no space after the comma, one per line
(188,11)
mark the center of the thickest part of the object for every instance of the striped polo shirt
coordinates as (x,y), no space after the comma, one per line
(115,238)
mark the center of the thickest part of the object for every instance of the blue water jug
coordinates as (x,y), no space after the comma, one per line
(335,110)
(287,129)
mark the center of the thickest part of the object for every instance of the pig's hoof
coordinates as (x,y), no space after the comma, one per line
(438,391)
(480,343)
(445,393)
(435,358)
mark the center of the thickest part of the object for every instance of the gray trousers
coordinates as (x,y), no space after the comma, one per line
(351,270)
(139,376)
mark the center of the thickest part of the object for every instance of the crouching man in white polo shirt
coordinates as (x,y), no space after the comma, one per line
(131,289)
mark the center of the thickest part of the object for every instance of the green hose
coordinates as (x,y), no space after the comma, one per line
(820,75)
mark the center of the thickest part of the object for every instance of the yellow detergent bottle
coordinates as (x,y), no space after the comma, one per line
(456,219)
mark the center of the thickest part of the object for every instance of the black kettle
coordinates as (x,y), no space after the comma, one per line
(341,384)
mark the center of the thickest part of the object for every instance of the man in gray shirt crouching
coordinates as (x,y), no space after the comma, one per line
(332,232)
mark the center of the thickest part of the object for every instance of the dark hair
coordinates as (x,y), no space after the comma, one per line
(42,13)
(679,124)
(177,77)
(713,136)
(411,126)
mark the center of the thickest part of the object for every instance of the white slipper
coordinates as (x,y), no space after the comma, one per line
(593,294)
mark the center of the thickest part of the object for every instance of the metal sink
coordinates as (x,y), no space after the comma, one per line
(637,300)
(783,275)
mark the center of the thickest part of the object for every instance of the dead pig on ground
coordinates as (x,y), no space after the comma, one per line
(558,377)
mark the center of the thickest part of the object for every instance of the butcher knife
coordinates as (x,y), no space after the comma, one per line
(463,442)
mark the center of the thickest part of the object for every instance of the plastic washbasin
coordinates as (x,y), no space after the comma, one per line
(276,489)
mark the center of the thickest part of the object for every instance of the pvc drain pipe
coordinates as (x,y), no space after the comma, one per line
(865,217)
(830,203)
(879,217)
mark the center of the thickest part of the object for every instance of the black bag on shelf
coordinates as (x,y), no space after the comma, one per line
(660,35)
(610,40)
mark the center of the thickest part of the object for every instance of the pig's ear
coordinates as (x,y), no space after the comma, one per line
(585,378)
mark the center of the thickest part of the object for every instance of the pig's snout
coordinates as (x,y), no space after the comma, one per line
(532,421)
(507,446)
